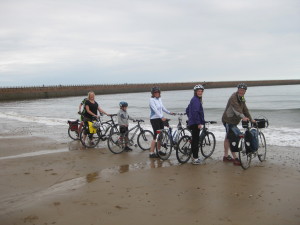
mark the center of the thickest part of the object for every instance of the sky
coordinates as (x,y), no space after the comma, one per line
(73,42)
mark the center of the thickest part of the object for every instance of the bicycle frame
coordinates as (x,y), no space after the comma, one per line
(137,128)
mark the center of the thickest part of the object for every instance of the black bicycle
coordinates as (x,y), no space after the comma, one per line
(95,131)
(207,144)
(117,142)
(168,138)
(246,149)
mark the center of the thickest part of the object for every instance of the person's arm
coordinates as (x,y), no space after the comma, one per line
(102,111)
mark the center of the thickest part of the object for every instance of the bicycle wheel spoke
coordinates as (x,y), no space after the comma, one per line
(115,143)
(144,139)
(245,158)
(208,144)
(183,150)
(163,145)
(262,147)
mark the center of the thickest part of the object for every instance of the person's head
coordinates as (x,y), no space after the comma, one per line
(155,91)
(91,96)
(198,90)
(242,87)
(123,105)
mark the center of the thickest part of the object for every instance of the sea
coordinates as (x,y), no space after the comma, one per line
(279,104)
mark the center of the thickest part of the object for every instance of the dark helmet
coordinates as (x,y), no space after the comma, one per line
(198,87)
(155,89)
(123,104)
(242,85)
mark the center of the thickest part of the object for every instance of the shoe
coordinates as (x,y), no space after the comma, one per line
(153,156)
(227,159)
(237,162)
(127,149)
(196,161)
(161,153)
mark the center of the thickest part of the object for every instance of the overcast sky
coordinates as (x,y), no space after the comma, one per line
(146,41)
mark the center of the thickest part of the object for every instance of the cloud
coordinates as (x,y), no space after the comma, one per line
(59,42)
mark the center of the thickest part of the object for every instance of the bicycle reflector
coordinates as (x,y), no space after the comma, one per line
(158,131)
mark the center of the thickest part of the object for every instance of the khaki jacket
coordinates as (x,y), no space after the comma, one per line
(235,110)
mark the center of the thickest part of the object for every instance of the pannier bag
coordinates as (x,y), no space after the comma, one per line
(251,140)
(92,130)
(234,139)
(261,123)
(73,125)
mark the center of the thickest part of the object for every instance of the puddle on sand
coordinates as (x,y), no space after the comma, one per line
(13,202)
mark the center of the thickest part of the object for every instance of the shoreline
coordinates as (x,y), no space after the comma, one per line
(40,92)
(94,186)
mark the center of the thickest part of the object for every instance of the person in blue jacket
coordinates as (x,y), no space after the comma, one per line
(195,115)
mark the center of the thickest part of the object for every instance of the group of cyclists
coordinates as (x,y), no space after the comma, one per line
(235,111)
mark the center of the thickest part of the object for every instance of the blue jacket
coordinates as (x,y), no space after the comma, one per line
(195,112)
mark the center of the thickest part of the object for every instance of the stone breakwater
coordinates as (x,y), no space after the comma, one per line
(23,93)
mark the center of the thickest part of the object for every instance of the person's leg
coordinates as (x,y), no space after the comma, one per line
(195,141)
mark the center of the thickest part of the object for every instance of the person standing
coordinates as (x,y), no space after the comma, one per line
(156,116)
(196,121)
(235,111)
(123,121)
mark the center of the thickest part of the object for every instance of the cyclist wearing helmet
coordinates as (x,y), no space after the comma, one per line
(195,115)
(156,116)
(235,111)
(123,118)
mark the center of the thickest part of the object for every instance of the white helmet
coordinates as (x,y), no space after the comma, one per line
(198,87)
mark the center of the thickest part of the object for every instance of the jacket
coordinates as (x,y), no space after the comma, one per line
(235,110)
(195,112)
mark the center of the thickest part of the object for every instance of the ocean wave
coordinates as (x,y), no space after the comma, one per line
(33,119)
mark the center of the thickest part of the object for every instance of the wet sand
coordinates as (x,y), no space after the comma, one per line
(59,183)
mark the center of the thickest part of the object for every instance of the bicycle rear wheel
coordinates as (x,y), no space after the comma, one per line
(184,150)
(208,144)
(163,145)
(262,147)
(73,134)
(89,140)
(115,143)
(144,139)
(245,158)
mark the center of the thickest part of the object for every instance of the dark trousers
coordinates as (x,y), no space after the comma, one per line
(195,140)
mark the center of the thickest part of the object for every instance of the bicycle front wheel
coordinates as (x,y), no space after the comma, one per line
(262,147)
(208,144)
(89,140)
(144,139)
(116,143)
(163,145)
(184,149)
(73,134)
(245,158)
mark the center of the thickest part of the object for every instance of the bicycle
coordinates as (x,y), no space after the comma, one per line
(96,131)
(73,129)
(207,144)
(167,139)
(117,142)
(246,151)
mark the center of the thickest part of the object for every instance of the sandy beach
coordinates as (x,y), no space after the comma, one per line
(50,181)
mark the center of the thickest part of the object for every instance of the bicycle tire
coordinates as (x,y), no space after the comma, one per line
(262,147)
(115,143)
(163,145)
(184,149)
(244,157)
(73,134)
(208,144)
(145,139)
(89,140)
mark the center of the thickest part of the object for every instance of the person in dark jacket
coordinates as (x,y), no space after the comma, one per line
(235,111)
(195,115)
